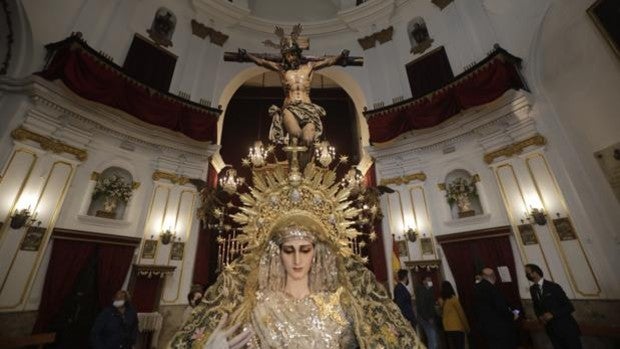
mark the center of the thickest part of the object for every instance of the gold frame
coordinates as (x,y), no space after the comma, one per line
(402,246)
(527,234)
(152,249)
(601,27)
(426,246)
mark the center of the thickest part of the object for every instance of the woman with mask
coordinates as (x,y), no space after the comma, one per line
(116,326)
(298,284)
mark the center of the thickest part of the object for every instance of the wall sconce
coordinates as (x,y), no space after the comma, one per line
(538,215)
(23,218)
(230,182)
(166,237)
(411,234)
(324,153)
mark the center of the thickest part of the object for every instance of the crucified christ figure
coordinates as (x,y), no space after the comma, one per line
(298,117)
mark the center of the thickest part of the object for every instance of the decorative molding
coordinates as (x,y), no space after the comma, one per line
(102,222)
(515,148)
(202,31)
(367,42)
(135,185)
(419,176)
(423,264)
(47,143)
(441,186)
(382,37)
(94,176)
(173,178)
(442,3)
(150,270)
(423,46)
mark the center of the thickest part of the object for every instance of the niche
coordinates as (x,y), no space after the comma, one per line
(418,35)
(462,194)
(112,190)
(162,27)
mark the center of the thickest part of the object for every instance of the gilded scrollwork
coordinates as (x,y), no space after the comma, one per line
(515,148)
(419,176)
(48,143)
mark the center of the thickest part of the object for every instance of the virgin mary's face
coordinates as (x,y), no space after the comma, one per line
(297,257)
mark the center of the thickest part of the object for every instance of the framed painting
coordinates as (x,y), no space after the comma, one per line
(426,245)
(32,240)
(528,236)
(564,229)
(403,248)
(176,251)
(149,249)
(606,17)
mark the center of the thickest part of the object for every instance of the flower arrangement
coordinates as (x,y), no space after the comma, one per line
(460,188)
(113,187)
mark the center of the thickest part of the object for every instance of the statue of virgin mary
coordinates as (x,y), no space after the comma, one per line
(298,283)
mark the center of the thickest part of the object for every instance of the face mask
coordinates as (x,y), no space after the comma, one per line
(429,284)
(118,303)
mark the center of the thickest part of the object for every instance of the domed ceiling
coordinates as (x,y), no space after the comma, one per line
(294,10)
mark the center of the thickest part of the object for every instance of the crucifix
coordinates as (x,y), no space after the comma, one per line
(298,119)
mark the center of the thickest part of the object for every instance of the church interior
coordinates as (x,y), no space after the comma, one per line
(480,133)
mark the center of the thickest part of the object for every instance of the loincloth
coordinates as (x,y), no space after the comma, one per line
(304,113)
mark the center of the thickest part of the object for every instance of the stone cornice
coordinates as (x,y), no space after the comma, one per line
(48,143)
(420,176)
(515,148)
(173,178)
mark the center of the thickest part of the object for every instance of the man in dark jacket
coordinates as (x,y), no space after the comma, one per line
(494,316)
(402,297)
(427,315)
(116,327)
(553,309)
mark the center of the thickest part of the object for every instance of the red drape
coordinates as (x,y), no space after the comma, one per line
(145,293)
(97,80)
(67,260)
(483,84)
(112,267)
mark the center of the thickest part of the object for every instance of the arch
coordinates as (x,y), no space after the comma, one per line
(338,75)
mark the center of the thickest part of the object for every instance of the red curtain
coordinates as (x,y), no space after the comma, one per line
(67,260)
(484,84)
(97,80)
(112,267)
(145,293)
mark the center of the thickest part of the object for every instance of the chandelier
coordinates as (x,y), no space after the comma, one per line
(230,181)
(324,153)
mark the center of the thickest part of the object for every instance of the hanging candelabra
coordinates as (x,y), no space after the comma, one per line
(324,153)
(258,154)
(230,182)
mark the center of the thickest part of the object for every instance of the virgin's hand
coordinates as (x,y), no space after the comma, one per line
(219,338)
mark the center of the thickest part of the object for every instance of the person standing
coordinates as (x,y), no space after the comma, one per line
(553,309)
(455,322)
(495,319)
(116,327)
(427,316)
(402,297)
